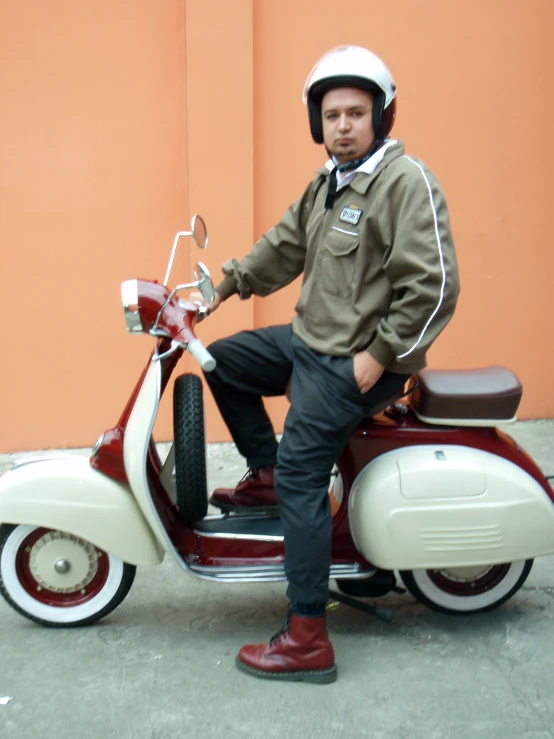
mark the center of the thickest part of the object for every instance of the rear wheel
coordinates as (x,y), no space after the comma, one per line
(58,579)
(467,590)
(190,448)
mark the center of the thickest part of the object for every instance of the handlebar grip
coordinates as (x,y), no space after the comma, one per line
(199,352)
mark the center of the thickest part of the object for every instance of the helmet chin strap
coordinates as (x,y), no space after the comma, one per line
(346,167)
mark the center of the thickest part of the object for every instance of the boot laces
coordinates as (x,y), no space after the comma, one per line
(248,475)
(283,631)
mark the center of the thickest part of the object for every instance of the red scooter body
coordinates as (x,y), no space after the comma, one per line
(250,547)
(467,507)
(396,427)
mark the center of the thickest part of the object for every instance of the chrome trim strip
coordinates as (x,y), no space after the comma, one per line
(253,537)
(258,569)
(216,517)
(237,579)
(271,573)
(353,569)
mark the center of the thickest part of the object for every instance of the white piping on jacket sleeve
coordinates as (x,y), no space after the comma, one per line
(439,244)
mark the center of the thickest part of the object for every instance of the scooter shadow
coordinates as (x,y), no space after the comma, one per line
(258,610)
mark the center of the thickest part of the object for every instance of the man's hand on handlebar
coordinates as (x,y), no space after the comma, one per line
(198,299)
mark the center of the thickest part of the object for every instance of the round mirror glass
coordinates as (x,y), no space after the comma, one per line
(199,231)
(206,287)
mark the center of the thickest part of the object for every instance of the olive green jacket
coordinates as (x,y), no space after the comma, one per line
(379,269)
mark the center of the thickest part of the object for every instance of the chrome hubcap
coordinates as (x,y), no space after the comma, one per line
(62,566)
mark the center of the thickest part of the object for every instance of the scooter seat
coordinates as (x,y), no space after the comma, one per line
(478,397)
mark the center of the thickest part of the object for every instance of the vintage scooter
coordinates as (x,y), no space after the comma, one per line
(428,488)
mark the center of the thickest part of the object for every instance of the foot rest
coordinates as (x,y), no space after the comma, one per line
(241,527)
(479,397)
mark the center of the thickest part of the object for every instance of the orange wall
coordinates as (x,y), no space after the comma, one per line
(93,187)
(120,120)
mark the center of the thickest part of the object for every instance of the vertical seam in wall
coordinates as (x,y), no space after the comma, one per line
(185,154)
(253,82)
(186,111)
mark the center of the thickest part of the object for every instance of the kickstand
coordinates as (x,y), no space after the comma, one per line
(384,614)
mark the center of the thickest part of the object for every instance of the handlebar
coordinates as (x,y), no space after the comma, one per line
(150,309)
(200,353)
(195,347)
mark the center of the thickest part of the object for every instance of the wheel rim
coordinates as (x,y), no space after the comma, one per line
(60,570)
(67,605)
(468,581)
(452,590)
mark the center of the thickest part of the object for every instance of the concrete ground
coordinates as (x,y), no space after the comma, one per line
(161,666)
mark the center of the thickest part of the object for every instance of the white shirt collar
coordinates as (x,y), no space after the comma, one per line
(367,167)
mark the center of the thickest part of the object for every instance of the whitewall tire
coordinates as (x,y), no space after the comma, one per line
(57,579)
(467,590)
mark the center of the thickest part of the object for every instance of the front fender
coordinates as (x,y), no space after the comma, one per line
(67,494)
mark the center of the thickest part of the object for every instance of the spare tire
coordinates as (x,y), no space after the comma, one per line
(190,448)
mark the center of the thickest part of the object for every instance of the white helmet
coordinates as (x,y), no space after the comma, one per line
(351,66)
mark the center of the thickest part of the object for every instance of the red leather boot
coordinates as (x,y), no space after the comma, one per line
(300,651)
(255,492)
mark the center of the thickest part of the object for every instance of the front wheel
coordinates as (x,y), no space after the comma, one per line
(57,579)
(467,590)
(190,448)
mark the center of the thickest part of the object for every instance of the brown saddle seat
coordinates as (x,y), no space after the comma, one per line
(478,397)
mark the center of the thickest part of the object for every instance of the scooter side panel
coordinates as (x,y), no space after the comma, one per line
(67,494)
(135,450)
(427,506)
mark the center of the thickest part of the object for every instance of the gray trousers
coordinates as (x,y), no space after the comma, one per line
(326,406)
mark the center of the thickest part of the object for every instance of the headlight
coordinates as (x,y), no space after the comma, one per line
(129,297)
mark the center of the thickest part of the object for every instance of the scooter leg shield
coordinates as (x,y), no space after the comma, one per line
(424,507)
(67,494)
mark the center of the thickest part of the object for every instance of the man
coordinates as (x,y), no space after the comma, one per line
(372,238)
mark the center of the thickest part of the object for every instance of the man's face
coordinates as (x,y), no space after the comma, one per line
(347,123)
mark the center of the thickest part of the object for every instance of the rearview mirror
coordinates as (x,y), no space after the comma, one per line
(199,231)
(205,284)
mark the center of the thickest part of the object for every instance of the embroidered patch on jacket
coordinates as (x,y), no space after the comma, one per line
(351,215)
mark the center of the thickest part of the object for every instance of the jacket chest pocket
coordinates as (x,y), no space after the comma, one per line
(338,262)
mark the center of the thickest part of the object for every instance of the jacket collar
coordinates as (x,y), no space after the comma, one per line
(363,179)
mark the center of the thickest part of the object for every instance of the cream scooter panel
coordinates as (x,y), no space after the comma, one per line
(135,450)
(67,494)
(425,507)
